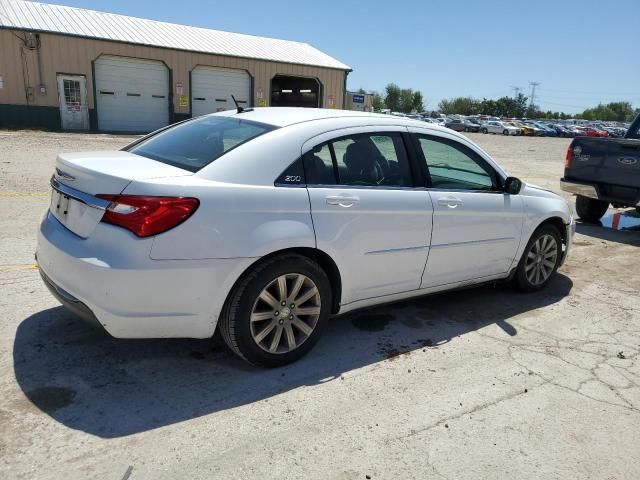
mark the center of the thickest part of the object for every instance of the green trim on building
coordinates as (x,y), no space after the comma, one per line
(30,116)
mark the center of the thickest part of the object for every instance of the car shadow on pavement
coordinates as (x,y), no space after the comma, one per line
(628,237)
(91,382)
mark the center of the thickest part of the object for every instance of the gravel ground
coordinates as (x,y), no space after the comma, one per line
(482,383)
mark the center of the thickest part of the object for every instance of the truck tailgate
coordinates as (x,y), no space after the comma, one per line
(611,161)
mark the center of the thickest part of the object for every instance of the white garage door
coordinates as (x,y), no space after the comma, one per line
(212,87)
(132,94)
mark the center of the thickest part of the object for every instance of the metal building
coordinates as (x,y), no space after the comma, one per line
(75,69)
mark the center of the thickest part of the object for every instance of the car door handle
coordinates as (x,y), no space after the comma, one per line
(342,200)
(451,202)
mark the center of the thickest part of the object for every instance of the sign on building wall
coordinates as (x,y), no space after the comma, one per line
(332,101)
(179,88)
(358,98)
(184,101)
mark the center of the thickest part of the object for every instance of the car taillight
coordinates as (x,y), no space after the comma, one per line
(569,158)
(146,216)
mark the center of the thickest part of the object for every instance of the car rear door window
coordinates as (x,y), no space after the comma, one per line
(194,144)
(375,159)
(450,165)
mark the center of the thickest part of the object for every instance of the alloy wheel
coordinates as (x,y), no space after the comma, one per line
(285,313)
(541,259)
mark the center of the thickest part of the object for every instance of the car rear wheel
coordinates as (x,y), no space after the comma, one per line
(466,129)
(485,131)
(590,209)
(277,311)
(540,260)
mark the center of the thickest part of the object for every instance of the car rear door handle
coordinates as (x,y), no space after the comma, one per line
(342,200)
(451,202)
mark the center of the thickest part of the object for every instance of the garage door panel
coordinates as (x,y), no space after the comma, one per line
(132,94)
(212,87)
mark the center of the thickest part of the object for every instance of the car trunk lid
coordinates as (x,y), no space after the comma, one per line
(79,177)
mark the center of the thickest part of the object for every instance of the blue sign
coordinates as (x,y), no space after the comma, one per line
(358,99)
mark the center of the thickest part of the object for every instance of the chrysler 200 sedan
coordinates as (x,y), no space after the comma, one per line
(263,223)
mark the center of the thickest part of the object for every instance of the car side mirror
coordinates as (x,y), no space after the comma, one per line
(512,185)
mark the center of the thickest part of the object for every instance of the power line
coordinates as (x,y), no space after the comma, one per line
(587,92)
(516,91)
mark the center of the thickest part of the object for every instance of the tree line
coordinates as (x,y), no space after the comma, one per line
(517,107)
(407,100)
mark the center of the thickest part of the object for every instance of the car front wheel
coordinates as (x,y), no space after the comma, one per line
(540,260)
(277,311)
(485,131)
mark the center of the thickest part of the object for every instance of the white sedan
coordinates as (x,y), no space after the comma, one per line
(265,222)
(500,127)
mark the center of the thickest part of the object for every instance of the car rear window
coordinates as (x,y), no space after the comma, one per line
(194,144)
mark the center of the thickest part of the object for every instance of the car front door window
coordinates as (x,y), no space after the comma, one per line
(449,167)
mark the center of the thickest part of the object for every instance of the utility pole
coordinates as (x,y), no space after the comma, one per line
(516,91)
(533,91)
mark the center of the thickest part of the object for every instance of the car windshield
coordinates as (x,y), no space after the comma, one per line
(194,144)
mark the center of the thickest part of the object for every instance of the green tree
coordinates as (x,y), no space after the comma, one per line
(378,102)
(392,97)
(460,105)
(614,111)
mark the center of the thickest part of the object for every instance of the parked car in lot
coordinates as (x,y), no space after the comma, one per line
(500,127)
(548,130)
(263,223)
(603,171)
(593,132)
(462,125)
(537,131)
(563,131)
(526,129)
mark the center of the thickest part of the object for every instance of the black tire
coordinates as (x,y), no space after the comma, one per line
(485,131)
(590,209)
(466,129)
(235,323)
(505,132)
(522,282)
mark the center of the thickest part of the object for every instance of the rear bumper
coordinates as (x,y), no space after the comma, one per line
(110,278)
(70,302)
(592,190)
(583,189)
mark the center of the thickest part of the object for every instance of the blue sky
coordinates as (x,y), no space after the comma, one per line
(581,51)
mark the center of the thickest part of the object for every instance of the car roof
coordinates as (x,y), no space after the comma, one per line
(285,116)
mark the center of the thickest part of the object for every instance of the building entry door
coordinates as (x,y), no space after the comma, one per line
(72,95)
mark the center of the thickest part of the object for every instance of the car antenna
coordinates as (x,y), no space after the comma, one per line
(238,107)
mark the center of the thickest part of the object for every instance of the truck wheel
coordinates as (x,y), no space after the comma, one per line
(278,311)
(590,209)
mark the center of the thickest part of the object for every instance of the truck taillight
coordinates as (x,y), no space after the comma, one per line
(568,160)
(147,216)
